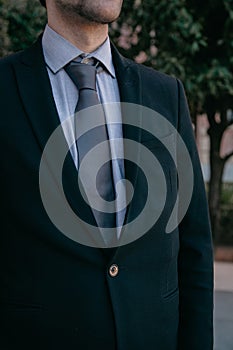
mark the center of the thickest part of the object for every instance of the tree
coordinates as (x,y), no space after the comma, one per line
(214,74)
(162,34)
(4,38)
(192,40)
(21,22)
(26,21)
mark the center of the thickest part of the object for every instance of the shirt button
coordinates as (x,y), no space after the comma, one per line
(113,270)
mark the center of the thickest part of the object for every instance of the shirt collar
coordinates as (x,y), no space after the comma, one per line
(58,52)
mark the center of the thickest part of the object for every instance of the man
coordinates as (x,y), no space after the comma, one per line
(55,293)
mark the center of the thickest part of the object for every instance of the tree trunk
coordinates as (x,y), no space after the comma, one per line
(216,130)
(215,185)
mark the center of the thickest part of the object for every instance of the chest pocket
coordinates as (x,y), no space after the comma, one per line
(164,150)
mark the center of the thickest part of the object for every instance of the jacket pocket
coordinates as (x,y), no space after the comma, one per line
(16,306)
(171,295)
(169,286)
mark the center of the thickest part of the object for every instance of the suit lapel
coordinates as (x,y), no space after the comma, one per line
(36,93)
(129,84)
(37,98)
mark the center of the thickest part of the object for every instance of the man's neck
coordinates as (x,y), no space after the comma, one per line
(87,36)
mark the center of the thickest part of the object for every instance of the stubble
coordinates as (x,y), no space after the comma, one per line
(93,11)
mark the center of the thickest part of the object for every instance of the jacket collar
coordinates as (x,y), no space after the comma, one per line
(36,94)
(58,52)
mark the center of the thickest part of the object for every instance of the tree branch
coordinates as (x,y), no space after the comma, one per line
(228,156)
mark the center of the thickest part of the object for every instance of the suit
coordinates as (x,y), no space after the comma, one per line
(56,293)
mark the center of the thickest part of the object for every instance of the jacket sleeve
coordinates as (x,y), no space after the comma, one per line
(195,265)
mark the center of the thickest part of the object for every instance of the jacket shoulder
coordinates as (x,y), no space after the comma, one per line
(7,61)
(7,68)
(153,75)
(27,56)
(159,92)
(148,74)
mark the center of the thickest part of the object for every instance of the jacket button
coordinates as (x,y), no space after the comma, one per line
(113,270)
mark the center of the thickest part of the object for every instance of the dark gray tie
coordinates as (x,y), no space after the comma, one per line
(84,77)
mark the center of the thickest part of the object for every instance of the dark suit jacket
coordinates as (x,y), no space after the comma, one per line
(58,294)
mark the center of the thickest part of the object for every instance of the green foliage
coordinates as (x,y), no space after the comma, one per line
(21,22)
(226,234)
(190,39)
(26,21)
(227,195)
(4,37)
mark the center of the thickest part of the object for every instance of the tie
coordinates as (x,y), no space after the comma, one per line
(84,77)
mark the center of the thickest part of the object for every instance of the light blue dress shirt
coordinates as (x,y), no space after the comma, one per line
(58,52)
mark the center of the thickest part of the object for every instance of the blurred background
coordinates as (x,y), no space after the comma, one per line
(192,40)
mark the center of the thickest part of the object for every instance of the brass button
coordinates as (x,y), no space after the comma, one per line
(113,270)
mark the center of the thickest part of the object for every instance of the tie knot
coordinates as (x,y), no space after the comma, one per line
(83,75)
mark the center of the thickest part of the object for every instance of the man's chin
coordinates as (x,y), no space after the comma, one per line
(88,14)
